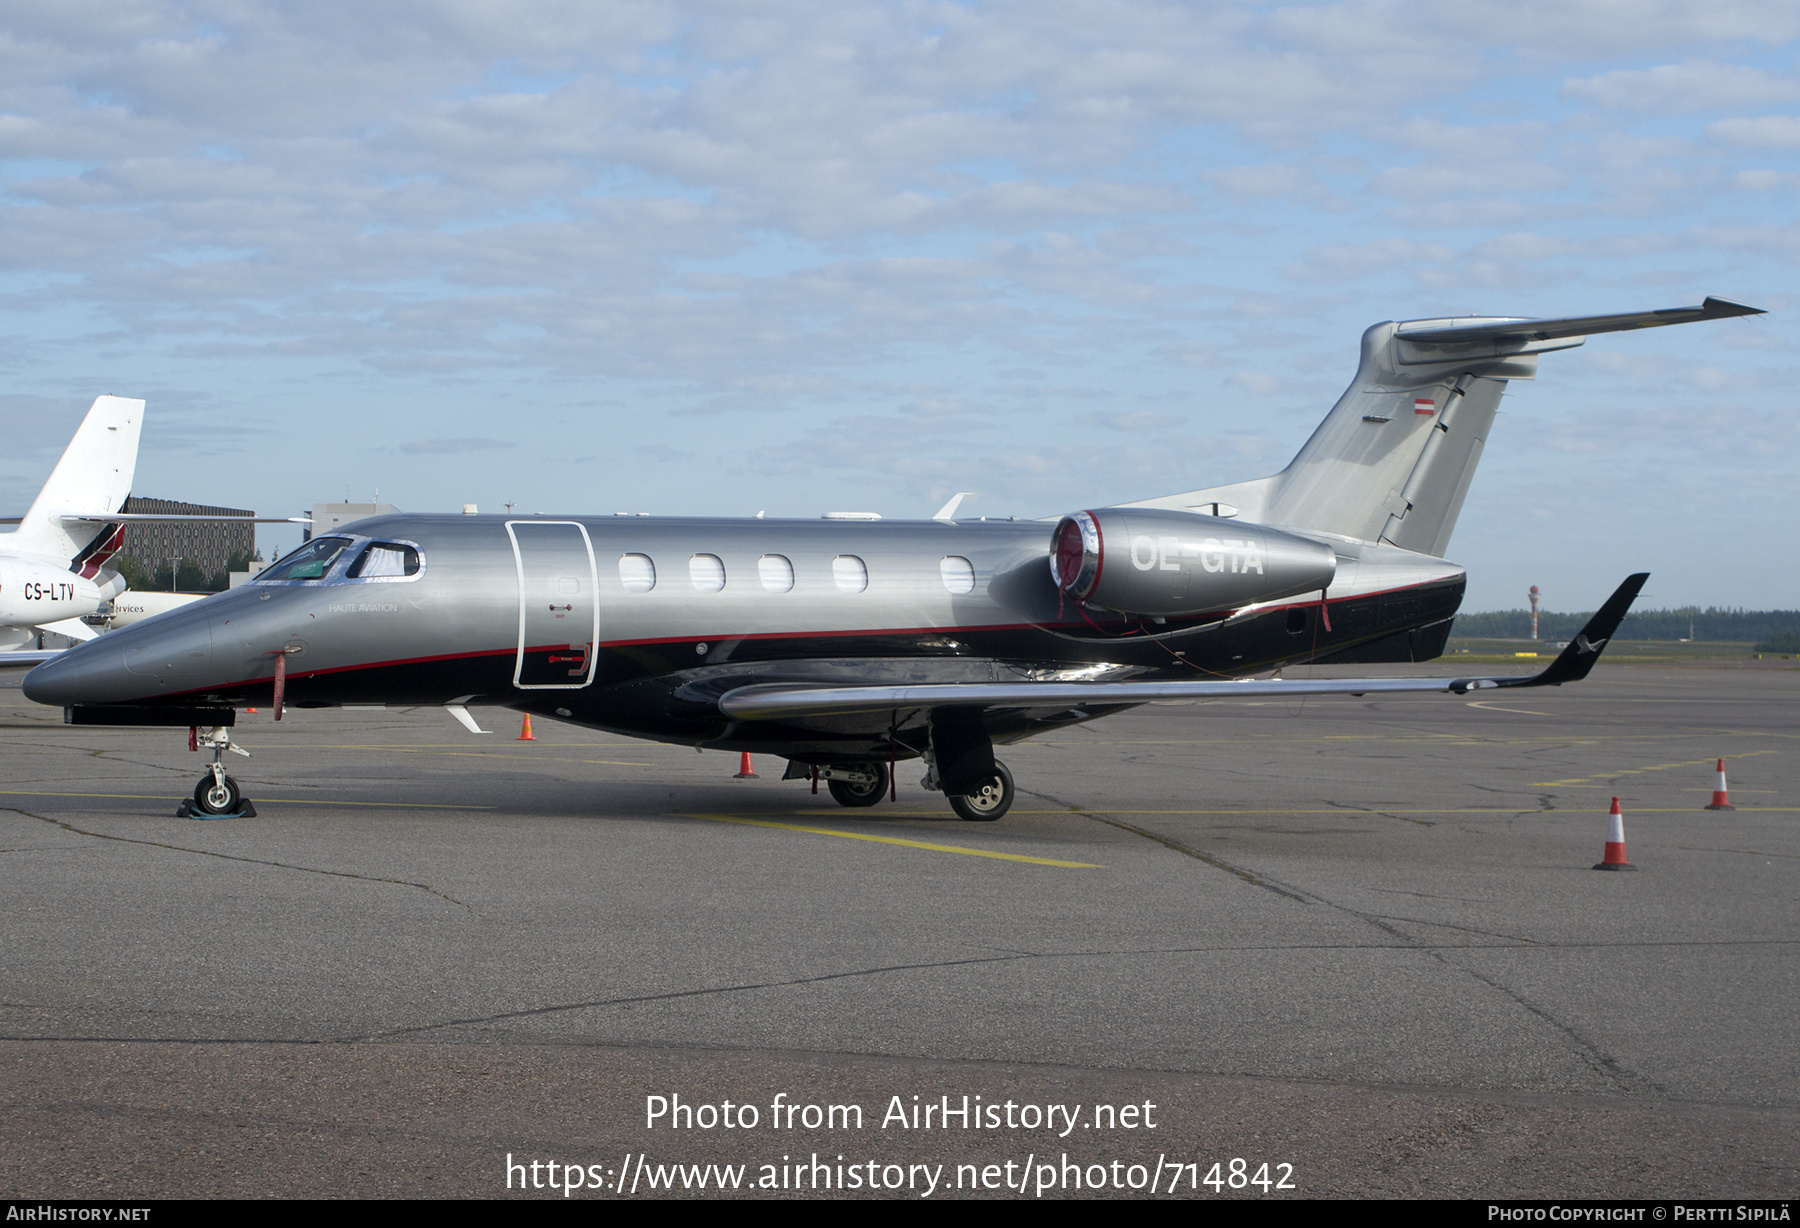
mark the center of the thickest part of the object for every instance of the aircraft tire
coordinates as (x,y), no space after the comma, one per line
(211,799)
(847,794)
(994,800)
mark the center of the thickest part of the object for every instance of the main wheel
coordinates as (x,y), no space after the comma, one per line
(849,793)
(989,802)
(214,798)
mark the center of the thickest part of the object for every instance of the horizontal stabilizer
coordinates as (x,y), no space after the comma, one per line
(1519,331)
(785,701)
(155,518)
(1394,459)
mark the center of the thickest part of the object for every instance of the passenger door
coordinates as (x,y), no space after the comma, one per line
(559,607)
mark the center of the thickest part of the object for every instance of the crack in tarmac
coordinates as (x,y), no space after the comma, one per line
(1217,863)
(1381,814)
(1403,942)
(427,888)
(556,1008)
(1608,1068)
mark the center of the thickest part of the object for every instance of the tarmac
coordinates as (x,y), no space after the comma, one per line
(1359,938)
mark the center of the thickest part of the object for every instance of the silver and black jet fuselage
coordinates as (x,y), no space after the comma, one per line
(848,645)
(641,625)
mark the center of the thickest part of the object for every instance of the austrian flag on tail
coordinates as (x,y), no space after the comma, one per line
(1424,405)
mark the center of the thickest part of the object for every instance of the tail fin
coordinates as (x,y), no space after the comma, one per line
(1394,458)
(92,478)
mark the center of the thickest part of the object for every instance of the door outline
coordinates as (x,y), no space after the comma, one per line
(593,586)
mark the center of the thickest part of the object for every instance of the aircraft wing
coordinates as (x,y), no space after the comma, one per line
(30,656)
(779,701)
(73,628)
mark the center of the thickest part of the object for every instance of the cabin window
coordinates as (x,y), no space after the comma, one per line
(385,560)
(707,572)
(850,574)
(310,562)
(776,572)
(637,573)
(958,573)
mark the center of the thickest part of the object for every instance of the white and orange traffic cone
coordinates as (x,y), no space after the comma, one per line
(525,734)
(745,770)
(1615,842)
(1721,796)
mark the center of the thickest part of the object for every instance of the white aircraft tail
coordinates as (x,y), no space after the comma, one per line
(1393,459)
(93,478)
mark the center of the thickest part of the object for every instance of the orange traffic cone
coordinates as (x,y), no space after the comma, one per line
(745,770)
(1721,796)
(1615,842)
(249,709)
(525,734)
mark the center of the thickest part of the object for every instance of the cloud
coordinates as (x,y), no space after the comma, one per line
(1765,180)
(1765,132)
(1701,85)
(1343,262)
(1257,383)
(840,231)
(444,447)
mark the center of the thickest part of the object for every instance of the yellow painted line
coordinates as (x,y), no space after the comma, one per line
(267,801)
(1657,767)
(911,844)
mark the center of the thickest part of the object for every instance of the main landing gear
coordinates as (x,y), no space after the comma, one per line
(216,796)
(989,802)
(856,784)
(866,783)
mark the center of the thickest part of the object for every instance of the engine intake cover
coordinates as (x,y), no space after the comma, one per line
(1156,562)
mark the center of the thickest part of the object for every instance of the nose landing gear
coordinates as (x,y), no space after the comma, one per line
(216,796)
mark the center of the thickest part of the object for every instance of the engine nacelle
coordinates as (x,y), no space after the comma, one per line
(1150,561)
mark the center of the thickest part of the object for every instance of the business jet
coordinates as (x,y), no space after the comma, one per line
(53,567)
(847,646)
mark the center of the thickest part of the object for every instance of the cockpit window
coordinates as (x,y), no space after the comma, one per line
(310,562)
(385,559)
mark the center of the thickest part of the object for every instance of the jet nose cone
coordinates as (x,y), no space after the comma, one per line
(78,676)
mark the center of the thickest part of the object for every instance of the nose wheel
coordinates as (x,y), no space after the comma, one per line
(216,796)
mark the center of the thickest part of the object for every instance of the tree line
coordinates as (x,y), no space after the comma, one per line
(190,579)
(1711,623)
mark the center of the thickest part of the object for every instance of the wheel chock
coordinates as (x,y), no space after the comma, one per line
(245,810)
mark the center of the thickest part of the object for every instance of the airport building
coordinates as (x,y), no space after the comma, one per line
(207,544)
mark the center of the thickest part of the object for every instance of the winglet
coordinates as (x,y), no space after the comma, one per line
(1584,650)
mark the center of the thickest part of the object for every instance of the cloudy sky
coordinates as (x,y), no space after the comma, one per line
(715,258)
